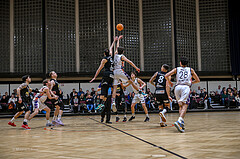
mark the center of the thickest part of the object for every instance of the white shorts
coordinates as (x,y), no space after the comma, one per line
(138,98)
(120,74)
(38,104)
(182,93)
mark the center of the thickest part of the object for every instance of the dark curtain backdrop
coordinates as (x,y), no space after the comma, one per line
(234,35)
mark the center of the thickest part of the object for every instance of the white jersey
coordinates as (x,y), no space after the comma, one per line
(41,96)
(118,62)
(137,84)
(184,76)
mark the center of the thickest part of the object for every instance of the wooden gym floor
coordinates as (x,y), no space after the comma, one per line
(208,135)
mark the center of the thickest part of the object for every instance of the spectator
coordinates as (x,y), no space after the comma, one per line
(11,102)
(82,101)
(76,102)
(4,102)
(237,99)
(72,94)
(87,93)
(96,100)
(230,87)
(229,91)
(93,92)
(222,92)
(219,89)
(206,99)
(201,94)
(193,100)
(224,97)
(89,102)
(235,91)
(7,96)
(15,92)
(199,90)
(231,100)
(217,97)
(80,92)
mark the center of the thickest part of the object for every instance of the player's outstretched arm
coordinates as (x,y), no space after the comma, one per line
(170,74)
(195,76)
(111,47)
(153,78)
(49,95)
(99,69)
(168,89)
(118,43)
(130,62)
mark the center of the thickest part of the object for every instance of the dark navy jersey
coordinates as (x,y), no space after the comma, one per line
(24,92)
(160,83)
(56,87)
(108,67)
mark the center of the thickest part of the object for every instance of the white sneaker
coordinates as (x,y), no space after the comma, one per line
(163,117)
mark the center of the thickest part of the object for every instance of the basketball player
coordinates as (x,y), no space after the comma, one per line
(184,76)
(138,97)
(23,102)
(57,103)
(119,73)
(162,92)
(107,79)
(40,98)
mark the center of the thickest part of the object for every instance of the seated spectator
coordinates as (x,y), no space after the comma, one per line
(96,99)
(222,92)
(7,96)
(231,100)
(219,90)
(206,99)
(82,101)
(4,103)
(80,92)
(229,88)
(224,97)
(75,103)
(193,100)
(148,90)
(235,91)
(72,94)
(11,102)
(87,93)
(229,91)
(199,90)
(217,97)
(92,92)
(201,94)
(89,102)
(237,99)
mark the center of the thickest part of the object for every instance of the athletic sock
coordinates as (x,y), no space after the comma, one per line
(180,119)
(25,121)
(48,121)
(147,115)
(125,116)
(59,117)
(133,114)
(54,117)
(12,119)
(164,111)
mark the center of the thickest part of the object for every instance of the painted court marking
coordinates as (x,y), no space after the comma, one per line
(140,139)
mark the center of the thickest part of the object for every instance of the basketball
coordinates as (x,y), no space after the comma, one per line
(119,27)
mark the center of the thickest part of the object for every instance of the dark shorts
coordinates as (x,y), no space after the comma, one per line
(24,106)
(58,102)
(161,98)
(105,85)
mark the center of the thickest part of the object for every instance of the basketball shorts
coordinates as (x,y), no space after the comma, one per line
(182,93)
(37,103)
(161,98)
(119,74)
(58,102)
(138,98)
(24,106)
(105,85)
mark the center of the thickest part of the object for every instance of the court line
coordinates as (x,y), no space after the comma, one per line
(140,139)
